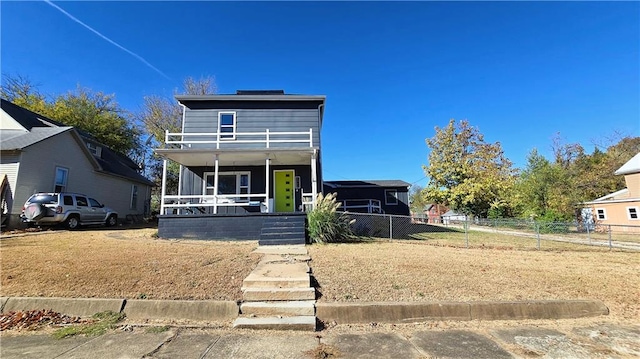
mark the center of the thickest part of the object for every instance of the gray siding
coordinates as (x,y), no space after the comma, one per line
(192,178)
(37,174)
(256,120)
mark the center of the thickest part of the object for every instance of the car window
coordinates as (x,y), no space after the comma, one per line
(68,200)
(94,203)
(81,201)
(44,199)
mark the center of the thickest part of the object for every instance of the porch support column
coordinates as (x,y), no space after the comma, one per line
(164,185)
(180,182)
(314,179)
(215,185)
(267,186)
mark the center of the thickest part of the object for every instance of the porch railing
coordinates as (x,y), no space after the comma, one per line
(199,204)
(266,139)
(357,205)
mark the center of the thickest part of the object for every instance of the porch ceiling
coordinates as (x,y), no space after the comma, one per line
(198,157)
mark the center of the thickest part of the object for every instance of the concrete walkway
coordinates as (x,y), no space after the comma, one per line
(278,294)
(602,340)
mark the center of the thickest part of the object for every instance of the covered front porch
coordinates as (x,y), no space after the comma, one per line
(240,182)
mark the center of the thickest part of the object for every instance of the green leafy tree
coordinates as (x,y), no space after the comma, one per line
(542,189)
(417,200)
(98,114)
(466,173)
(95,113)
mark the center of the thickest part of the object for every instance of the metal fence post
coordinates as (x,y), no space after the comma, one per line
(610,244)
(537,226)
(466,231)
(390,227)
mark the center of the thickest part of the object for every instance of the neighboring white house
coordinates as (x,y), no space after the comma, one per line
(38,154)
(452,216)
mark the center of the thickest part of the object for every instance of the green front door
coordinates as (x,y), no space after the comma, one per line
(284,195)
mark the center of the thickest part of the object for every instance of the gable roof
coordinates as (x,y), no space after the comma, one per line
(39,128)
(368,183)
(26,139)
(27,119)
(632,166)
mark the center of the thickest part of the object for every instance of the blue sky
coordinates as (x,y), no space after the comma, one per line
(519,71)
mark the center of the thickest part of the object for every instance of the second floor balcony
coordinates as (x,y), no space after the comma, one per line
(239,140)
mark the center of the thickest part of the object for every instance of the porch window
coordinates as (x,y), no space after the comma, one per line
(632,212)
(62,174)
(391,196)
(601,214)
(227,125)
(228,183)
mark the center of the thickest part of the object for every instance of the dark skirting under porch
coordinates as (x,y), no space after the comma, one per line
(228,227)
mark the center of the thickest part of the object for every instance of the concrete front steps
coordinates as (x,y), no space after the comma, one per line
(283,230)
(277,294)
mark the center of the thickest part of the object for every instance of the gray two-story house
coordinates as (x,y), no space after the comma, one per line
(243,157)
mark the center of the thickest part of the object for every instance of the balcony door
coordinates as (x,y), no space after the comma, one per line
(284,185)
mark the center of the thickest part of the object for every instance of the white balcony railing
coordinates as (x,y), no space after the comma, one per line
(362,205)
(266,139)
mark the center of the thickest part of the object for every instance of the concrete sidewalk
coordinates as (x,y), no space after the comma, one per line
(586,341)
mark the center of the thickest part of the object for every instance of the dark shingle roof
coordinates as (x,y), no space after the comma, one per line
(41,127)
(34,136)
(27,119)
(367,183)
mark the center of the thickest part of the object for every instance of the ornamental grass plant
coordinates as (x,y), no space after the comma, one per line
(325,224)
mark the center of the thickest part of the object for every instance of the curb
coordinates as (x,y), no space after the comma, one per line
(408,312)
(342,313)
(3,301)
(77,307)
(201,311)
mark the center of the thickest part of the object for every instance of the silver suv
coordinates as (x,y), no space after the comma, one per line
(70,209)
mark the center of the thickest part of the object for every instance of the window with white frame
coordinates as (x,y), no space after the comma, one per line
(94,149)
(134,197)
(601,214)
(227,125)
(228,183)
(62,176)
(391,196)
(633,213)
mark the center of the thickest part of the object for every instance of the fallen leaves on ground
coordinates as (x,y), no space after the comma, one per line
(35,319)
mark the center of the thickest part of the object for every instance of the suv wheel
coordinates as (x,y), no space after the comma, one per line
(72,222)
(112,220)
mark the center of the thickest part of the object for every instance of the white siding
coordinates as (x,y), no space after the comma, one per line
(9,166)
(37,174)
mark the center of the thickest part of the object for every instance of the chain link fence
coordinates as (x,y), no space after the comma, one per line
(495,232)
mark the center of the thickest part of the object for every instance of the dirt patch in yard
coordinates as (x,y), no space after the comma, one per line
(416,271)
(123,264)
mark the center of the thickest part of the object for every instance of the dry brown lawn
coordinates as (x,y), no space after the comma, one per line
(123,264)
(134,264)
(416,271)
